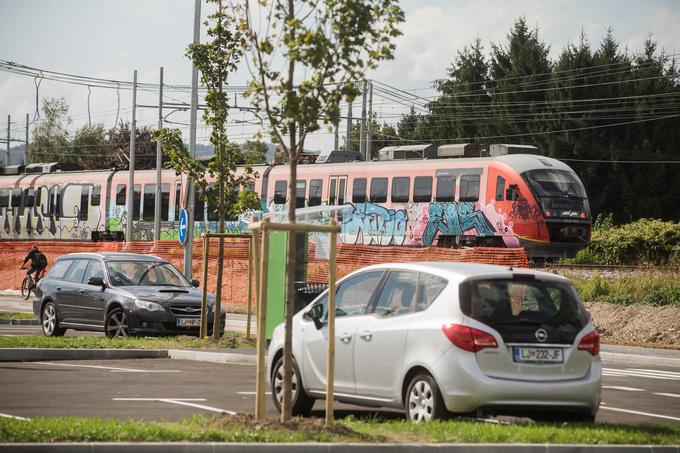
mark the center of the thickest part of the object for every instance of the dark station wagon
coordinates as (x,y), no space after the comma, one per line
(121,294)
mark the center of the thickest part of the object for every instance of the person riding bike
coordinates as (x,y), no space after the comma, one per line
(38,263)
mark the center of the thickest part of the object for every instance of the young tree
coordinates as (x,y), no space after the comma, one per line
(50,137)
(215,59)
(324,47)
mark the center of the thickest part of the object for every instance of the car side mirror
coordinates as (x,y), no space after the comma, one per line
(315,314)
(96,281)
(195,283)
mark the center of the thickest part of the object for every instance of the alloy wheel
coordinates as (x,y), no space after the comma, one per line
(49,319)
(421,402)
(278,384)
(117,325)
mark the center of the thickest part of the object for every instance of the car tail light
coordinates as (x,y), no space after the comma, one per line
(590,343)
(469,339)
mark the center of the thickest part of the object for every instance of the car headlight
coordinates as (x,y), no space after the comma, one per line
(148,305)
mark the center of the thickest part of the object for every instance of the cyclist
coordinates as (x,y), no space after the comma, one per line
(38,263)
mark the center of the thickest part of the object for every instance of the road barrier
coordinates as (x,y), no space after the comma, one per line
(235,283)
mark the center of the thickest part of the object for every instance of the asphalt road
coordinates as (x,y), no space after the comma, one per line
(164,389)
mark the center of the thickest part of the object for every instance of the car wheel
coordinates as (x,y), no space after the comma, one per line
(301,402)
(423,400)
(49,319)
(116,325)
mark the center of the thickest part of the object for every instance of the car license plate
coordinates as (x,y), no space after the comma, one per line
(188,322)
(538,355)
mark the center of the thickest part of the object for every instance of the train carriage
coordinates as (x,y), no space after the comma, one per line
(513,198)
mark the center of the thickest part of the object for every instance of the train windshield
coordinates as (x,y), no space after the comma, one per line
(554,183)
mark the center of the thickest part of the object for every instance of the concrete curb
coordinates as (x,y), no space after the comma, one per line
(20,322)
(35,354)
(168,447)
(637,359)
(216,357)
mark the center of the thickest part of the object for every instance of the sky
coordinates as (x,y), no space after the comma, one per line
(112,38)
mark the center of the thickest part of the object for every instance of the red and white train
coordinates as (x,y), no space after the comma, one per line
(511,198)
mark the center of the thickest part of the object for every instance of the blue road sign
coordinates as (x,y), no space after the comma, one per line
(182,226)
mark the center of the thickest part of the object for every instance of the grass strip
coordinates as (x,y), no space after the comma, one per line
(230,340)
(17,316)
(649,288)
(243,428)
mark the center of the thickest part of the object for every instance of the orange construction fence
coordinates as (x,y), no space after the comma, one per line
(235,280)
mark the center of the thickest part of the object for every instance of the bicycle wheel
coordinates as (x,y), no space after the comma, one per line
(26,287)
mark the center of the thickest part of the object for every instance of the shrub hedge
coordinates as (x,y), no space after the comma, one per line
(643,242)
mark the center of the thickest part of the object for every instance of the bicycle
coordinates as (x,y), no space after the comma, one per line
(28,285)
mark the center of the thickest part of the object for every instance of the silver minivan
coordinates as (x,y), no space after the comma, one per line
(436,339)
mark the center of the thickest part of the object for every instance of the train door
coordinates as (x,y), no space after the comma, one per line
(336,190)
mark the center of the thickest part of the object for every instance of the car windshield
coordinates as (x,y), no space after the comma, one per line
(144,273)
(554,183)
(517,302)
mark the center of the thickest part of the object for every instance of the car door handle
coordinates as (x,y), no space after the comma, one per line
(366,335)
(58,289)
(345,338)
(82,291)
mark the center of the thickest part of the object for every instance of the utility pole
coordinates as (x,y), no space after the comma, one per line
(159,164)
(26,149)
(369,132)
(362,125)
(9,121)
(349,127)
(131,172)
(192,146)
(336,139)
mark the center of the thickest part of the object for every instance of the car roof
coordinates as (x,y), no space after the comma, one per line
(463,271)
(112,256)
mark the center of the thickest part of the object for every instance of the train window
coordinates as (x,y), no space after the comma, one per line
(178,200)
(249,187)
(422,189)
(342,180)
(199,206)
(29,197)
(149,202)
(401,189)
(300,190)
(96,195)
(359,190)
(16,197)
(280,191)
(121,194)
(469,188)
(44,202)
(4,198)
(446,188)
(136,200)
(500,188)
(315,186)
(54,203)
(84,206)
(378,190)
(165,201)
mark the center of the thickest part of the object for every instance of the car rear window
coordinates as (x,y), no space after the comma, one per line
(522,302)
(59,269)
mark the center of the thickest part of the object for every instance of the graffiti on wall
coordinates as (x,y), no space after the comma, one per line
(372,224)
(455,219)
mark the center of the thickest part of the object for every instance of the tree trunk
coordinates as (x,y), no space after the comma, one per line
(286,410)
(217,331)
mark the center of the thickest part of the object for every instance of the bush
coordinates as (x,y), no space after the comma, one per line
(655,289)
(645,242)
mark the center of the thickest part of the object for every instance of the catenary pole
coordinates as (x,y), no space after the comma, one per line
(335,139)
(369,131)
(192,146)
(159,165)
(9,121)
(362,125)
(348,146)
(26,149)
(131,172)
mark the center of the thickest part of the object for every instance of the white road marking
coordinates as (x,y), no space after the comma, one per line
(648,414)
(181,402)
(15,417)
(672,395)
(110,368)
(625,389)
(651,374)
(252,393)
(662,372)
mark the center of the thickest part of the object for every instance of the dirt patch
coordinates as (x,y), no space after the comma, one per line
(313,428)
(637,325)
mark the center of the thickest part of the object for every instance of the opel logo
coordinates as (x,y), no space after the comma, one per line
(541,335)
